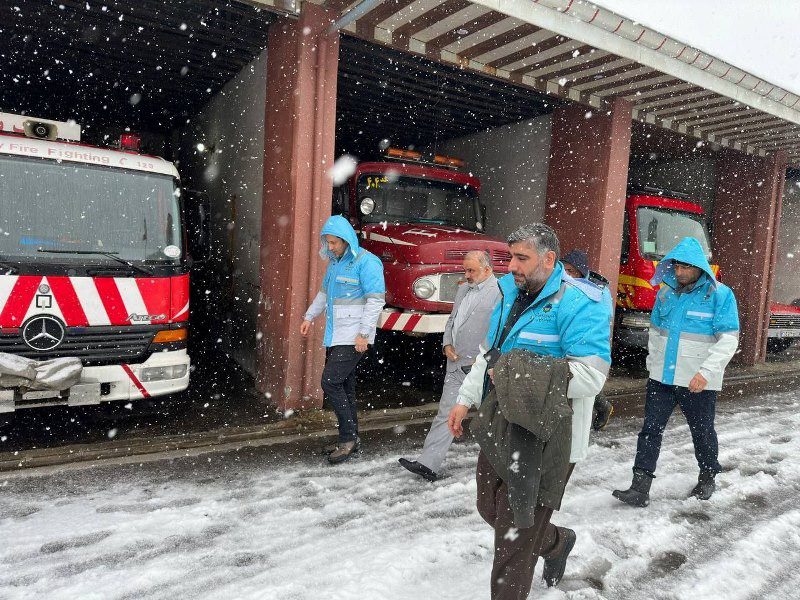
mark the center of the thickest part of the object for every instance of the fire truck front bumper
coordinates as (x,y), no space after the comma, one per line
(161,374)
(412,322)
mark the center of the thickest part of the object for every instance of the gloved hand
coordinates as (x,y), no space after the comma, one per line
(603,409)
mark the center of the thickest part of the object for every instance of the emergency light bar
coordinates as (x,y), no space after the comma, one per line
(436,159)
(42,129)
(130,142)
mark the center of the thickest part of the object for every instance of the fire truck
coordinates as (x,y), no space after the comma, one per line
(784,325)
(420,215)
(94,264)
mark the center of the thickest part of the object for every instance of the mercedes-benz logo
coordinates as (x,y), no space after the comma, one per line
(43,333)
(44,289)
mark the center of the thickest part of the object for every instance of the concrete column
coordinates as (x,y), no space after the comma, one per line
(587,181)
(299,135)
(746,220)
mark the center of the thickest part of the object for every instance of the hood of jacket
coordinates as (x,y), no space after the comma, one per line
(340,227)
(687,251)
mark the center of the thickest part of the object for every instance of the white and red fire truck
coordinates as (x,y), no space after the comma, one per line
(93,264)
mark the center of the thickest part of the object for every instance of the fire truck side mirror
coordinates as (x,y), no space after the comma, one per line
(197,208)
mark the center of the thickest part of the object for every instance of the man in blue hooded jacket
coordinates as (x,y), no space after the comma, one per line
(694,333)
(352,295)
(545,311)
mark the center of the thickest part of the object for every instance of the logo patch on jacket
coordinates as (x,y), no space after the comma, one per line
(547,307)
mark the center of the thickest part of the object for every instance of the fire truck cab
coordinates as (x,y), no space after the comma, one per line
(420,215)
(93,265)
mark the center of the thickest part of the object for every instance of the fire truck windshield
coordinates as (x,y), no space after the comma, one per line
(413,200)
(661,229)
(74,212)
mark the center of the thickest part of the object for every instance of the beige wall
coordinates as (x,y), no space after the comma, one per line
(511,162)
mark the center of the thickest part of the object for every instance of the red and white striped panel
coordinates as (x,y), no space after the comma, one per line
(395,320)
(88,301)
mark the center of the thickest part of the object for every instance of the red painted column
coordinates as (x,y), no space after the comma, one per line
(587,182)
(746,220)
(299,136)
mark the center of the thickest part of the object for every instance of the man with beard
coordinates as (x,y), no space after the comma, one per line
(546,312)
(694,333)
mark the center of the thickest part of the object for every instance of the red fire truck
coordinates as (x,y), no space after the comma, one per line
(93,264)
(784,325)
(420,215)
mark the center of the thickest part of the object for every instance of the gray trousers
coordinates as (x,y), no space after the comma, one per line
(439,438)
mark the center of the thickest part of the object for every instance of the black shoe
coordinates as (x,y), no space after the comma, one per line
(418,469)
(555,566)
(639,493)
(705,487)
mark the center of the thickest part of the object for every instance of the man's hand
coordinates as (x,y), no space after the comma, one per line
(457,415)
(450,353)
(305,327)
(362,343)
(698,383)
(490,372)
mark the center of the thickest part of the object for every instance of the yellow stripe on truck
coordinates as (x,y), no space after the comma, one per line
(634,281)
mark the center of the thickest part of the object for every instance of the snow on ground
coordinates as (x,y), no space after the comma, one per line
(281,525)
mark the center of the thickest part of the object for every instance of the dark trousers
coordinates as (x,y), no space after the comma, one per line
(339,386)
(516,550)
(699,410)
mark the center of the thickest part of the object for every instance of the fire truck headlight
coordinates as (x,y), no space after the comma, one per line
(162,373)
(367,206)
(424,288)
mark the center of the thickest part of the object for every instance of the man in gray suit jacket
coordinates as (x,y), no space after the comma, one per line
(464,332)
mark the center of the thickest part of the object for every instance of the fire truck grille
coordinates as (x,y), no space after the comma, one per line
(501,256)
(457,256)
(785,321)
(449,286)
(95,346)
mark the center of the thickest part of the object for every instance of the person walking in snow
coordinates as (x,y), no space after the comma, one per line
(352,295)
(694,332)
(465,330)
(576,264)
(546,312)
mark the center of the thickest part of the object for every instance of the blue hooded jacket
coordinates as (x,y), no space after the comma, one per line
(568,319)
(692,330)
(353,289)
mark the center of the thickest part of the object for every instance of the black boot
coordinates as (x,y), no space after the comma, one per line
(705,486)
(639,492)
(555,563)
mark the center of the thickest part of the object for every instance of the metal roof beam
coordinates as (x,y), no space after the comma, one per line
(574,28)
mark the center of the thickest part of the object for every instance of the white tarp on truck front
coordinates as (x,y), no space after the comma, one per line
(53,374)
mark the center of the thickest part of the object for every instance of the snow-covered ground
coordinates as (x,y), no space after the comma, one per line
(281,524)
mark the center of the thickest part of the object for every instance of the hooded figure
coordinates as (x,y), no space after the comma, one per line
(694,332)
(352,296)
(694,328)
